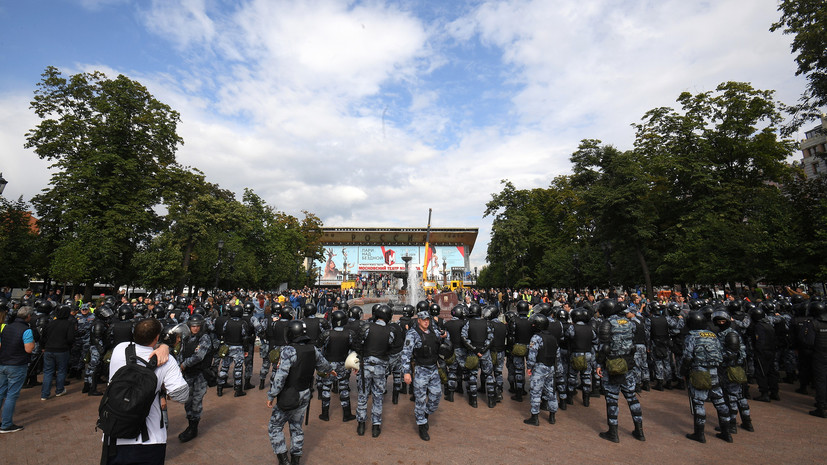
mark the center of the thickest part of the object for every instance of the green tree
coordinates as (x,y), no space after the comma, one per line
(806,20)
(19,243)
(106,138)
(718,162)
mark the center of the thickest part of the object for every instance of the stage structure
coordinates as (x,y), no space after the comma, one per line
(354,253)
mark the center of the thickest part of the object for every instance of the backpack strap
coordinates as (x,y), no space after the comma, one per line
(132,358)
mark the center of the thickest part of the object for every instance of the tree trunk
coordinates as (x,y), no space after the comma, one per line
(185,266)
(650,292)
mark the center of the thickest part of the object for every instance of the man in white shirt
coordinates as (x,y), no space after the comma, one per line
(152,451)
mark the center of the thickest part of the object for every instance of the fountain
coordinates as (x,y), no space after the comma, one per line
(415,293)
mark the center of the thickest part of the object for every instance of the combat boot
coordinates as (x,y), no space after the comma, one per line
(570,397)
(746,423)
(551,418)
(347,415)
(295,459)
(668,385)
(376,431)
(404,389)
(248,384)
(532,420)
(260,384)
(698,435)
(283,458)
(459,388)
(610,435)
(646,386)
(724,434)
(190,433)
(325,415)
(395,397)
(360,428)
(93,389)
(681,385)
(658,385)
(492,401)
(85,388)
(423,432)
(472,401)
(220,390)
(449,396)
(518,396)
(775,396)
(763,398)
(586,399)
(818,412)
(638,432)
(562,404)
(239,392)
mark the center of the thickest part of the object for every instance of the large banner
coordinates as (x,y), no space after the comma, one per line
(344,260)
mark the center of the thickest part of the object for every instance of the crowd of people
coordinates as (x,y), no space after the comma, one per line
(544,347)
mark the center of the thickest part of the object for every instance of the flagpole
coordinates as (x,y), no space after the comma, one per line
(427,249)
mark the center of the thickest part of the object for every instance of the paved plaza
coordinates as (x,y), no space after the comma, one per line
(234,431)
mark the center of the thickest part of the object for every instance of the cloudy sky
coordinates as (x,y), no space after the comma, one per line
(367,113)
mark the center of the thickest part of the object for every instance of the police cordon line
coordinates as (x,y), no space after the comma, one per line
(712,349)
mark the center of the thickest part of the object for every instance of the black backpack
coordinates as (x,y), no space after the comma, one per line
(127,400)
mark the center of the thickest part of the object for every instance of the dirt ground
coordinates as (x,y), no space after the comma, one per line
(234,431)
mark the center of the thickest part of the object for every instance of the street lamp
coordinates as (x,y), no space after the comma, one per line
(444,272)
(475,276)
(3,183)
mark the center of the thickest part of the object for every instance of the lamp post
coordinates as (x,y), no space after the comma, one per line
(407,259)
(218,264)
(3,183)
(475,276)
(444,272)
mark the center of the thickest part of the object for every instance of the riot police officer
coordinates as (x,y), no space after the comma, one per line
(477,337)
(236,334)
(289,394)
(615,358)
(374,342)
(336,344)
(194,350)
(542,363)
(520,334)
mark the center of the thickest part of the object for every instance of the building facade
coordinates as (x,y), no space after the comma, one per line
(814,149)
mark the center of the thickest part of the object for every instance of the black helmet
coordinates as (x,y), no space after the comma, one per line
(421,306)
(720,318)
(171,308)
(285,313)
(757,314)
(249,308)
(125,312)
(434,309)
(373,309)
(474,310)
(696,304)
(206,306)
(459,311)
(768,306)
(104,312)
(236,311)
(707,311)
(338,318)
(356,312)
(343,306)
(523,307)
(109,300)
(539,322)
(543,308)
(275,308)
(408,310)
(158,312)
(734,306)
(580,314)
(199,310)
(309,309)
(181,301)
(695,320)
(383,313)
(674,309)
(4,304)
(607,307)
(817,309)
(490,312)
(563,315)
(196,320)
(295,330)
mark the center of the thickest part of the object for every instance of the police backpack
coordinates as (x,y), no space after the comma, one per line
(127,401)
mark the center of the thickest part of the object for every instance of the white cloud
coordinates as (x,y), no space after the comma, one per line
(340,108)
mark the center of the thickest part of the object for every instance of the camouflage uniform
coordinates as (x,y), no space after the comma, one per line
(294,417)
(541,384)
(193,372)
(615,384)
(375,377)
(486,364)
(703,353)
(427,386)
